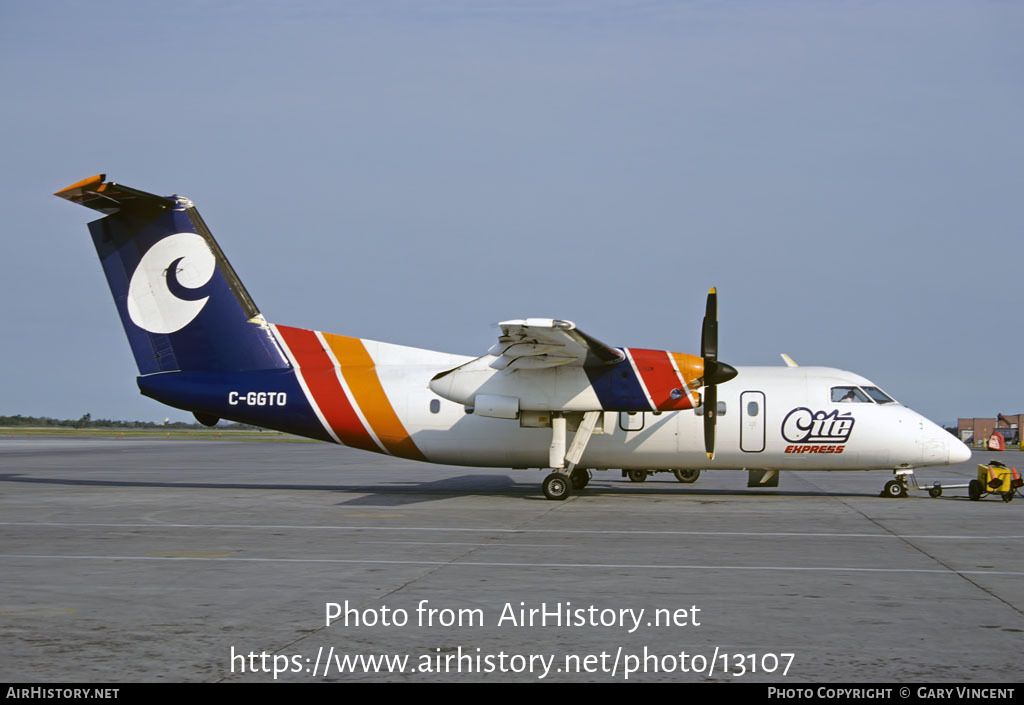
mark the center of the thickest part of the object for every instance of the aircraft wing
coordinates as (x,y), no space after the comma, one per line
(541,343)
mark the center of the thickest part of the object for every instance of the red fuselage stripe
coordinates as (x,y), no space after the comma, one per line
(322,380)
(660,378)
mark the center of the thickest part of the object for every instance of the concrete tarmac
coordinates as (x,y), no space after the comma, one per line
(165,560)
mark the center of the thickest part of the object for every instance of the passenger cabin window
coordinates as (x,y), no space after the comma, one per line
(722,408)
(752,409)
(435,406)
(879,396)
(849,395)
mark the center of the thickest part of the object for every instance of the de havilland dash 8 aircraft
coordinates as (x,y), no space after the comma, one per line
(545,395)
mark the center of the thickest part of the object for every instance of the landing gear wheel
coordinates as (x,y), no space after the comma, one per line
(557,485)
(637,475)
(974,490)
(894,489)
(935,492)
(579,478)
(686,476)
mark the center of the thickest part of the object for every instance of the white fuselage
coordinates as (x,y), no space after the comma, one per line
(769,418)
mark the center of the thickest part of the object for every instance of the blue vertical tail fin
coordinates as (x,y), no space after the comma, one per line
(199,341)
(180,301)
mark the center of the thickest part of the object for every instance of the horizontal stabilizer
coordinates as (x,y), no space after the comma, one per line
(110,198)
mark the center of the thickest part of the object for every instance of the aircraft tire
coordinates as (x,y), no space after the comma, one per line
(686,476)
(974,490)
(636,475)
(557,486)
(580,478)
(895,489)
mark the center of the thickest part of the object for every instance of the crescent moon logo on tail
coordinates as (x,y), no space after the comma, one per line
(167,271)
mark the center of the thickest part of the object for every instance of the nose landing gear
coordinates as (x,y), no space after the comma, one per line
(906,480)
(895,489)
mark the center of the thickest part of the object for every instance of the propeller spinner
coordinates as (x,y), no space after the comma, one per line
(715,372)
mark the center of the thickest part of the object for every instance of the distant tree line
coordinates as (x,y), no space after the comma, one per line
(87,421)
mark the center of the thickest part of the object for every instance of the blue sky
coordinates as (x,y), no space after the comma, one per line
(847,174)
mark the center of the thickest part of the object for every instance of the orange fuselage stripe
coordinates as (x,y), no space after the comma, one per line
(322,380)
(360,373)
(690,366)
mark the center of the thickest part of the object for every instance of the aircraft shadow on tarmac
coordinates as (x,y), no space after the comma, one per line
(406,492)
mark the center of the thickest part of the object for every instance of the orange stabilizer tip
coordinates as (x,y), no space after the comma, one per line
(85,184)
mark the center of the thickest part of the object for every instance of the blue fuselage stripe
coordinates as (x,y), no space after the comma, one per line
(618,388)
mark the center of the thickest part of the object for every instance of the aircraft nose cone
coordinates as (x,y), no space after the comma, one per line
(958,452)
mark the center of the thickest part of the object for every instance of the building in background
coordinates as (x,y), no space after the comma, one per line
(979,430)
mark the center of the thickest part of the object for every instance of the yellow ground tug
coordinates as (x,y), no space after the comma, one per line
(995,478)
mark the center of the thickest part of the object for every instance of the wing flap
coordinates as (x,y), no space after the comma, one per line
(539,343)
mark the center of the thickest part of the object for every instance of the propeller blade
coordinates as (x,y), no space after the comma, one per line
(710,410)
(709,330)
(715,372)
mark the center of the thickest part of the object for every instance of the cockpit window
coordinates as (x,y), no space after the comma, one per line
(850,394)
(879,396)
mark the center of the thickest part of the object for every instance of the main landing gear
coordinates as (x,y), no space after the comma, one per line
(560,484)
(566,477)
(557,485)
(685,476)
(579,478)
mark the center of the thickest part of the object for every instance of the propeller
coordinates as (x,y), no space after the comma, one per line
(715,372)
